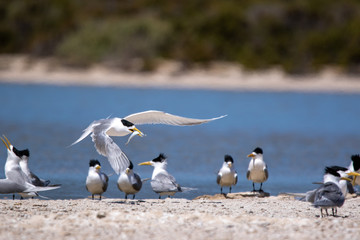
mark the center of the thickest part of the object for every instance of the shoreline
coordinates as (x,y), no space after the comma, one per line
(221,76)
(279,217)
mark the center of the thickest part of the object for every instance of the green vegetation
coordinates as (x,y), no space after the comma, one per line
(299,35)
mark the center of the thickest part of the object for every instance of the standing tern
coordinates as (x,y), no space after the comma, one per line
(227,175)
(16,180)
(102,129)
(96,181)
(331,194)
(129,182)
(257,171)
(161,181)
(35,180)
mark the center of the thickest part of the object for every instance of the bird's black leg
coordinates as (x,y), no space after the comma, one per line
(230,190)
(125,196)
(21,198)
(100,196)
(253,187)
(260,188)
(327,214)
(159,196)
(13,196)
(221,190)
(134,196)
(92,196)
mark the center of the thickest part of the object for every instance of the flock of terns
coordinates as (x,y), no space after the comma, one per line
(19,179)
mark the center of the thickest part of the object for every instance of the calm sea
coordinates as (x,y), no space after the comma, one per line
(300,134)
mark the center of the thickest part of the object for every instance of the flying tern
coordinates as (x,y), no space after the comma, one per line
(227,175)
(96,181)
(257,171)
(102,129)
(129,182)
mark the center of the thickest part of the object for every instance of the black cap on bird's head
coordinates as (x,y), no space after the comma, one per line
(258,150)
(131,166)
(126,123)
(356,161)
(160,158)
(94,162)
(21,153)
(228,158)
(333,170)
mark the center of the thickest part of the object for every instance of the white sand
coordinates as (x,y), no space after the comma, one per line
(278,217)
(20,69)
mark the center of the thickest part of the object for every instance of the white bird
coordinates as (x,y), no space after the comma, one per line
(227,175)
(343,183)
(161,181)
(102,129)
(24,159)
(16,180)
(331,194)
(129,182)
(96,181)
(257,171)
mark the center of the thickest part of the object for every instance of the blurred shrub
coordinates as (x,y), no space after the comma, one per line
(116,42)
(299,35)
(34,26)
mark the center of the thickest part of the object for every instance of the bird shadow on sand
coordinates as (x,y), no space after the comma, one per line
(128,201)
(233,195)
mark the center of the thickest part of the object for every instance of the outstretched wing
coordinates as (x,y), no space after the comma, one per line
(158,117)
(88,130)
(108,148)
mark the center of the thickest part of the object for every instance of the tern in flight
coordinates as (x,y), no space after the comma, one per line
(102,129)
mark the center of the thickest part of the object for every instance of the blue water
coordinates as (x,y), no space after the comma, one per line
(300,133)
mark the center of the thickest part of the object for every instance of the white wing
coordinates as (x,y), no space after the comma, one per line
(87,131)
(158,117)
(108,148)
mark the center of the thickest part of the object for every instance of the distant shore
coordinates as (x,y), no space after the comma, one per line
(279,217)
(219,76)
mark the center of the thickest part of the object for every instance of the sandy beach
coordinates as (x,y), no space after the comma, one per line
(219,76)
(207,217)
(237,217)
